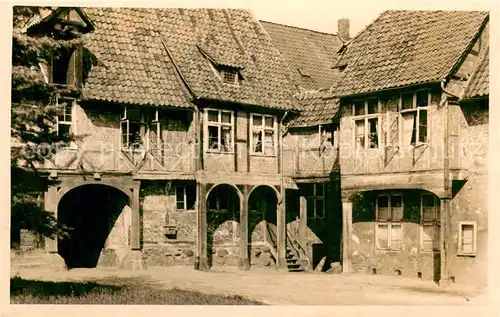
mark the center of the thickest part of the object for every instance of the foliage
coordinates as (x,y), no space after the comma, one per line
(80,293)
(33,117)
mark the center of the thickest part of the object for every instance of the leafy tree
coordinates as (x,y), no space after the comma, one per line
(33,117)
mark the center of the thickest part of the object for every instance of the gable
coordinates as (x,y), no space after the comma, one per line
(403,48)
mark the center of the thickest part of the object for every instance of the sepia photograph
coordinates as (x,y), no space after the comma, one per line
(248,156)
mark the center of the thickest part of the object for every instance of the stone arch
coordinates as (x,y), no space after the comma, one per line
(93,210)
(66,189)
(223,204)
(278,194)
(348,194)
(262,223)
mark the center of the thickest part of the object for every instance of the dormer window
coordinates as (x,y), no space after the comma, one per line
(230,76)
(66,67)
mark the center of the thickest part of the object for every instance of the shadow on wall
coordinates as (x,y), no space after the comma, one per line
(223,207)
(91,212)
(262,221)
(389,235)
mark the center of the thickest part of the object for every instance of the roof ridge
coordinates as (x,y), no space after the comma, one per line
(301,28)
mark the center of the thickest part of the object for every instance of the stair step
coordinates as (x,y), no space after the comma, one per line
(298,270)
(294,265)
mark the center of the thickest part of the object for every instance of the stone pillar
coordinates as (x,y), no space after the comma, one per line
(281,234)
(133,259)
(202,260)
(445,236)
(244,263)
(346,236)
(51,252)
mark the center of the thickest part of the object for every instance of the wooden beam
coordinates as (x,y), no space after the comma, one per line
(281,228)
(202,259)
(244,263)
(346,236)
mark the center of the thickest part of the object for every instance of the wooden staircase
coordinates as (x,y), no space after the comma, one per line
(295,254)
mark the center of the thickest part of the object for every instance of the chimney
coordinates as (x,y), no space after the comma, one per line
(343,29)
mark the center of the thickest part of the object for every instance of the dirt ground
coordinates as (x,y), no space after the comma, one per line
(281,288)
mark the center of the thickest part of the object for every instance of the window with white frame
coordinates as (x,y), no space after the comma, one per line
(366,121)
(64,116)
(185,196)
(219,130)
(263,129)
(414,110)
(429,222)
(315,195)
(132,128)
(467,236)
(389,231)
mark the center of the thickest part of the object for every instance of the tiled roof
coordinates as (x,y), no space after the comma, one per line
(403,48)
(309,54)
(478,85)
(318,107)
(133,65)
(136,68)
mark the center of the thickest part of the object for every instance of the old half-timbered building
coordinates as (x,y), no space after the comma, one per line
(205,137)
(412,199)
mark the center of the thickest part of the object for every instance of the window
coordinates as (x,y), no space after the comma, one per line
(329,135)
(229,76)
(430,223)
(389,233)
(366,123)
(155,144)
(219,130)
(132,128)
(467,238)
(186,196)
(263,134)
(414,114)
(66,67)
(315,195)
(64,116)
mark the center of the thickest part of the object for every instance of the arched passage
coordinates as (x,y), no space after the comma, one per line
(223,217)
(262,221)
(91,211)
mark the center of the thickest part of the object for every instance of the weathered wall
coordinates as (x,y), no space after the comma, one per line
(382,160)
(158,207)
(305,154)
(470,202)
(99,125)
(410,260)
(238,161)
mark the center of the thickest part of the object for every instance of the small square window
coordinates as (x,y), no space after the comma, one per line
(229,76)
(467,238)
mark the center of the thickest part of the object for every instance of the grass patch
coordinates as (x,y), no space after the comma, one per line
(87,293)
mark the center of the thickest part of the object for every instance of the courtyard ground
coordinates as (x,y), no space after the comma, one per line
(279,288)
